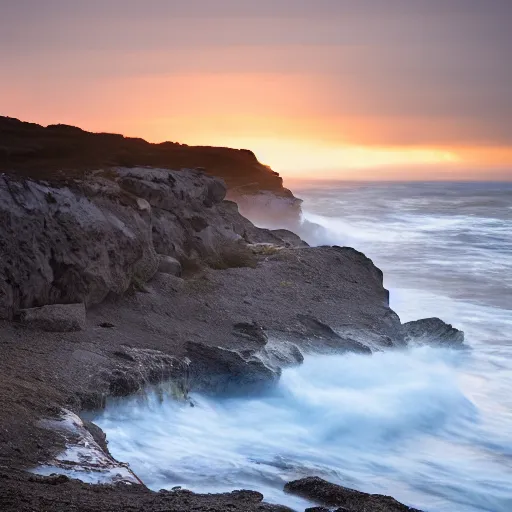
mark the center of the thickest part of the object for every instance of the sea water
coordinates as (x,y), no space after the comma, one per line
(430,426)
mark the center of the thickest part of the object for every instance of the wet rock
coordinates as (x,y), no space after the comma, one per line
(220,370)
(315,328)
(432,331)
(323,492)
(83,453)
(98,435)
(249,496)
(281,353)
(169,265)
(144,367)
(55,317)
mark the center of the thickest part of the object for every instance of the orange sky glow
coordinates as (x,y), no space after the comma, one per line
(403,95)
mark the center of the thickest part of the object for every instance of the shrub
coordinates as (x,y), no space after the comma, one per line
(234,254)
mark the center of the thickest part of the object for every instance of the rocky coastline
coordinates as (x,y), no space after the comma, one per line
(120,272)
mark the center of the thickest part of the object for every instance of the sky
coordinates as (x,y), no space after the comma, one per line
(366,89)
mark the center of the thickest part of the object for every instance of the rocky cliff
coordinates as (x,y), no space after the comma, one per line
(107,232)
(120,277)
(63,153)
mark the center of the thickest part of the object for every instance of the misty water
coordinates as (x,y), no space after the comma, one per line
(431,427)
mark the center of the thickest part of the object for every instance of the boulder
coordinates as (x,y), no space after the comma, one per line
(432,331)
(325,493)
(55,317)
(169,265)
(220,370)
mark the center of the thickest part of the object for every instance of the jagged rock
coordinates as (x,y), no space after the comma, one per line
(55,318)
(323,492)
(169,265)
(432,331)
(144,367)
(317,329)
(65,244)
(216,369)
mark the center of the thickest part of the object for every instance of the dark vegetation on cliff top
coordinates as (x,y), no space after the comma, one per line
(60,152)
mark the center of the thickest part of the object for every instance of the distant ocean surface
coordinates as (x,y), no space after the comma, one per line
(431,427)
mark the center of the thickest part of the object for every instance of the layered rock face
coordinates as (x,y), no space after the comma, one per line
(108,232)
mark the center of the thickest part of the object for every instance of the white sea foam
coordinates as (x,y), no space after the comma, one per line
(389,423)
(432,427)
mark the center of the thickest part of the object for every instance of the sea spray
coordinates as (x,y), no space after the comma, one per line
(347,418)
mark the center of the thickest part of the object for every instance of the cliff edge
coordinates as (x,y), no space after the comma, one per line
(62,152)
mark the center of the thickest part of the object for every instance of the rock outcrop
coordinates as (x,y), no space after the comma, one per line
(220,370)
(316,330)
(348,500)
(432,331)
(108,232)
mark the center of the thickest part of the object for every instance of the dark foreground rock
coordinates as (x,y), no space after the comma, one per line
(432,331)
(23,493)
(350,500)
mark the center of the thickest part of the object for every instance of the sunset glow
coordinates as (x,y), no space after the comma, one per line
(314,89)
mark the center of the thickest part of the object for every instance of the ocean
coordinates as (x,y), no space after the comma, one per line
(431,427)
